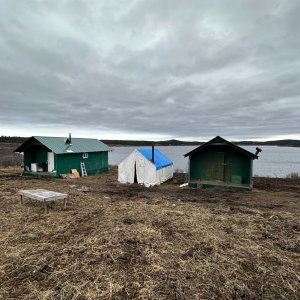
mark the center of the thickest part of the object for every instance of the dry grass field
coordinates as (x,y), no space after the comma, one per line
(7,155)
(130,242)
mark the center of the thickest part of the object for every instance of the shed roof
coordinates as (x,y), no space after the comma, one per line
(58,145)
(160,160)
(220,141)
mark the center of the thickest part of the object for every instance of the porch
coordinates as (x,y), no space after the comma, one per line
(40,174)
(218,184)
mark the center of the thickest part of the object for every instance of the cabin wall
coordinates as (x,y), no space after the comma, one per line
(27,159)
(36,154)
(238,165)
(206,166)
(97,162)
(220,163)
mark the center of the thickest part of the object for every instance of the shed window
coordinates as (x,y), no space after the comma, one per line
(85,155)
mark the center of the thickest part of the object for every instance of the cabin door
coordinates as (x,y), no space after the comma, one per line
(50,161)
(215,166)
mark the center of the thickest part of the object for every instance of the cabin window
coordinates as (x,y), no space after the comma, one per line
(85,155)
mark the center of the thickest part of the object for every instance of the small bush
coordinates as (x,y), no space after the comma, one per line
(293,175)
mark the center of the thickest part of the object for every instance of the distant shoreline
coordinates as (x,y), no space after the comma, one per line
(183,145)
(133,145)
(125,143)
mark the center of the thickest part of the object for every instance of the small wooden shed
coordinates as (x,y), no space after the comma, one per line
(219,163)
(51,156)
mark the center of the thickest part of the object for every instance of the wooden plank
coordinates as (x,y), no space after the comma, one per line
(221,183)
(45,207)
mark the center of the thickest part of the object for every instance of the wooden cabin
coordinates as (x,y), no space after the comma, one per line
(220,163)
(52,156)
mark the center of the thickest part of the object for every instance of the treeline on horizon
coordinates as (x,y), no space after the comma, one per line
(283,143)
(286,143)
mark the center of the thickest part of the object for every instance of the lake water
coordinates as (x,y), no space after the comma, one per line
(273,161)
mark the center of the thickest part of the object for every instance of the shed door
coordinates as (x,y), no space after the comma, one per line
(213,166)
(50,161)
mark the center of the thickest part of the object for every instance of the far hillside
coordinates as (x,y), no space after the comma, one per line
(283,143)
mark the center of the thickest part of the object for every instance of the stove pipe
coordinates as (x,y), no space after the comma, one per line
(257,150)
(152,157)
(68,141)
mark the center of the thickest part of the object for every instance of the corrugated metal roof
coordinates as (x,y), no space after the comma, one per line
(58,145)
(160,160)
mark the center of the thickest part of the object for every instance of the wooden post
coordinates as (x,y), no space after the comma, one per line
(152,156)
(45,207)
(65,203)
(21,199)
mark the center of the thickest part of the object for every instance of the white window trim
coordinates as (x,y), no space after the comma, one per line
(85,155)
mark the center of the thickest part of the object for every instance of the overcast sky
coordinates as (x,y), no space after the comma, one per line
(150,69)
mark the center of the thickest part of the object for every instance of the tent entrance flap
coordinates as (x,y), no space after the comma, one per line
(135,176)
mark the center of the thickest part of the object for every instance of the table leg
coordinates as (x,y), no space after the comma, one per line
(65,203)
(45,207)
(21,199)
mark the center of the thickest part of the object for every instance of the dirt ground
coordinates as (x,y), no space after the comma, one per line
(129,242)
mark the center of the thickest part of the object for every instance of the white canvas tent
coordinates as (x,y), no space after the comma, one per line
(138,167)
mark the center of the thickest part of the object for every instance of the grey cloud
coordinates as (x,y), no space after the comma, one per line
(190,69)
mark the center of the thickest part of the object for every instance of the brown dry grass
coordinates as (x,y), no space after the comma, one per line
(130,242)
(8,157)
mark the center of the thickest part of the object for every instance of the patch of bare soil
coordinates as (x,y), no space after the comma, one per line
(277,184)
(130,242)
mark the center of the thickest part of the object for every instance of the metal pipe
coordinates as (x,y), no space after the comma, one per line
(68,141)
(152,158)
(257,150)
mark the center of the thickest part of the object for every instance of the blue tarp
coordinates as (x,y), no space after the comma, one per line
(160,160)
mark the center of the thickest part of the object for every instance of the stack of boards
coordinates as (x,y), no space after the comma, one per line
(74,174)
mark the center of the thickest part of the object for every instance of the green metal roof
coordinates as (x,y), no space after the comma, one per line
(58,145)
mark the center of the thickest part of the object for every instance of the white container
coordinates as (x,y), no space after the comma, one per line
(34,167)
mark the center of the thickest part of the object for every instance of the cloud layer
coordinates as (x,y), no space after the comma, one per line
(150,69)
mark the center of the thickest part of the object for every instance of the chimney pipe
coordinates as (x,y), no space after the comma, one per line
(257,150)
(68,141)
(152,158)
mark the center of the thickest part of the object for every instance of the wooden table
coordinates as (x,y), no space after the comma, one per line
(43,196)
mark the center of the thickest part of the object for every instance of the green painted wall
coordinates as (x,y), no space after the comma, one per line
(27,159)
(207,166)
(36,154)
(220,163)
(239,165)
(97,162)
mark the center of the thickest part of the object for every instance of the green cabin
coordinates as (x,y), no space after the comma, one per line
(219,163)
(52,156)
